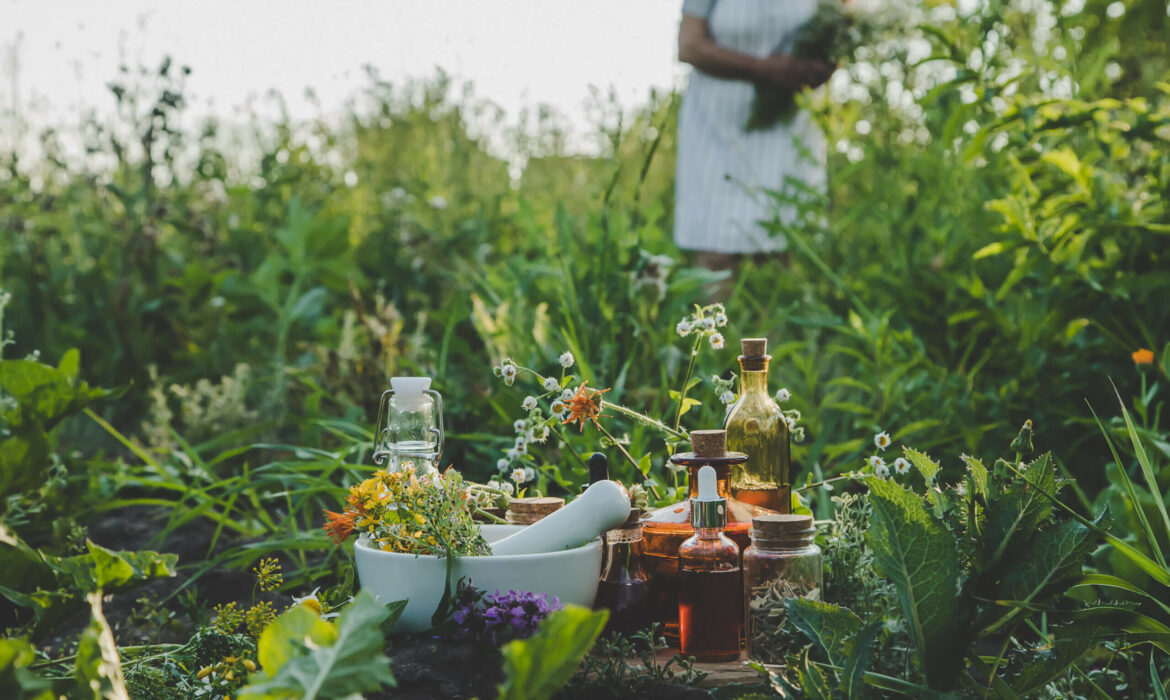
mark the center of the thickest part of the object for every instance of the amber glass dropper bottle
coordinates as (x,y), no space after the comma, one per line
(710,594)
(756,427)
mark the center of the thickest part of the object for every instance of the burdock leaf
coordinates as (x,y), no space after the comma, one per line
(1052,556)
(920,557)
(829,626)
(537,667)
(927,466)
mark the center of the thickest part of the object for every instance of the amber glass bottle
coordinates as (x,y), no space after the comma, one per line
(710,592)
(665,529)
(756,427)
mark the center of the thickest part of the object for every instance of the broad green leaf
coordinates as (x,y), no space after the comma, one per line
(813,682)
(927,466)
(98,669)
(352,664)
(106,569)
(1067,648)
(830,626)
(537,667)
(289,634)
(859,648)
(920,557)
(1019,511)
(1052,556)
(978,473)
(17,682)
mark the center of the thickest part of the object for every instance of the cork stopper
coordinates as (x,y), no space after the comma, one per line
(754,347)
(782,524)
(634,518)
(525,511)
(709,443)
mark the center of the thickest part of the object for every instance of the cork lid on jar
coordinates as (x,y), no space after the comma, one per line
(709,443)
(755,355)
(782,524)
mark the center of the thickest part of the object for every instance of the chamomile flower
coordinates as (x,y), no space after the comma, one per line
(529,403)
(881,471)
(529,474)
(557,406)
(566,359)
(901,465)
(513,453)
(708,323)
(551,384)
(882,440)
(566,395)
(727,397)
(539,435)
(501,465)
(720,319)
(519,475)
(783,395)
(508,372)
(876,462)
(683,328)
(519,426)
(716,340)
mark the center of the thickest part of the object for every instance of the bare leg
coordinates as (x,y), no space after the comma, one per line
(719,262)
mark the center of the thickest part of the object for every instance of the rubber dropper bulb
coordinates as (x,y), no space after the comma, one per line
(708,508)
(707,490)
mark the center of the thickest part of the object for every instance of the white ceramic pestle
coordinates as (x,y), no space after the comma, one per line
(603,506)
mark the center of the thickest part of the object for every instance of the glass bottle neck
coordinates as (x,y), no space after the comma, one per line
(752,381)
(708,533)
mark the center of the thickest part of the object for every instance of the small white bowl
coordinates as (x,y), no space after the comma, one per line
(571,575)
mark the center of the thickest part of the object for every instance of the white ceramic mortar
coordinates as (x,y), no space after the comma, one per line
(571,575)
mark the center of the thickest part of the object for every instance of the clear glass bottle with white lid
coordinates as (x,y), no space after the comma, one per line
(412,431)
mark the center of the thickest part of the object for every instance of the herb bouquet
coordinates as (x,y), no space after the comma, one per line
(830,35)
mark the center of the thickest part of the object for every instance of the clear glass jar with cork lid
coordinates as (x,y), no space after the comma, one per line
(782,562)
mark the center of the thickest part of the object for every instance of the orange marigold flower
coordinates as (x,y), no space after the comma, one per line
(1143,357)
(340,525)
(585,405)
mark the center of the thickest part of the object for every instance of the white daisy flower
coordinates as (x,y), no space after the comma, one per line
(508,372)
(876,461)
(438,202)
(901,465)
(727,397)
(882,440)
(881,471)
(529,403)
(551,384)
(716,340)
(566,359)
(539,435)
(518,426)
(721,319)
(513,454)
(683,328)
(566,395)
(556,407)
(518,475)
(529,474)
(708,323)
(783,395)
(501,464)
(521,446)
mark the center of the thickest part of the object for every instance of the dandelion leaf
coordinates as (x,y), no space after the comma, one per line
(1015,515)
(839,632)
(978,474)
(920,557)
(537,667)
(925,465)
(315,666)
(1051,557)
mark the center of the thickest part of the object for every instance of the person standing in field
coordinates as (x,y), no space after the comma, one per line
(724,169)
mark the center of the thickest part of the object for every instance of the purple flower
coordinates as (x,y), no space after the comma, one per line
(500,617)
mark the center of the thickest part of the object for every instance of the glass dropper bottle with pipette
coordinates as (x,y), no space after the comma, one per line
(665,529)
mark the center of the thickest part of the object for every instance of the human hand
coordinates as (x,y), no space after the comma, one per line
(792,73)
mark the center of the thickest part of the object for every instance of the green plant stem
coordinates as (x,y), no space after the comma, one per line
(817,484)
(682,394)
(644,419)
(627,455)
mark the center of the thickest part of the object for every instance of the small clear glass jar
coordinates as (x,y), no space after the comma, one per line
(782,562)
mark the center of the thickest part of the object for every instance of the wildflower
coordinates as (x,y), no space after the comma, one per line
(557,406)
(228,617)
(882,440)
(566,359)
(881,471)
(1142,356)
(519,475)
(585,405)
(716,340)
(529,403)
(683,328)
(551,384)
(720,319)
(791,423)
(513,454)
(258,617)
(539,435)
(529,474)
(438,202)
(501,464)
(567,394)
(340,525)
(508,372)
(519,426)
(783,395)
(901,465)
(727,397)
(876,461)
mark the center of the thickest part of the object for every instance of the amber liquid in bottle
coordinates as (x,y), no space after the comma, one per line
(710,597)
(667,528)
(624,588)
(756,427)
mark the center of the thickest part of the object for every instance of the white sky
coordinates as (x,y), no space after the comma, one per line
(56,56)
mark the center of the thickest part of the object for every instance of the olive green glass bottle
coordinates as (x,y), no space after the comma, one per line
(756,427)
